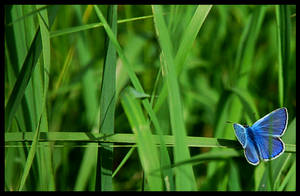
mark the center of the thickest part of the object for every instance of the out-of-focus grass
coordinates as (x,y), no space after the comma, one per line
(227,63)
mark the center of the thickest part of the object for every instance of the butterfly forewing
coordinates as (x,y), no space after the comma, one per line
(240,133)
(274,123)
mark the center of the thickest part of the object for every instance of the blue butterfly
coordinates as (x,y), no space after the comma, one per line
(262,139)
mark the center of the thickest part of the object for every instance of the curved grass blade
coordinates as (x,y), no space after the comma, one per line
(76,29)
(209,156)
(87,167)
(246,48)
(25,73)
(129,68)
(124,161)
(23,79)
(146,146)
(30,157)
(186,44)
(40,8)
(247,102)
(185,179)
(289,182)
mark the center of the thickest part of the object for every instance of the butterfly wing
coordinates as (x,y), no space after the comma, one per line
(274,123)
(251,151)
(267,131)
(269,147)
(240,133)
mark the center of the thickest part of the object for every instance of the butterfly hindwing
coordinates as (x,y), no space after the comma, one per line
(251,153)
(269,147)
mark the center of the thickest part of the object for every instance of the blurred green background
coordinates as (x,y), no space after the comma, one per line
(232,68)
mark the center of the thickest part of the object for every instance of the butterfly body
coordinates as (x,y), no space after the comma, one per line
(262,140)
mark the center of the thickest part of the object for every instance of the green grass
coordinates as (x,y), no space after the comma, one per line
(86,85)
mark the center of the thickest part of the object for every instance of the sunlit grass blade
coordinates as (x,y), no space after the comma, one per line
(129,67)
(190,35)
(123,161)
(85,27)
(185,179)
(127,140)
(16,51)
(40,8)
(107,106)
(23,79)
(45,161)
(146,146)
(289,182)
(222,154)
(186,44)
(234,182)
(283,34)
(44,25)
(24,76)
(31,96)
(30,157)
(246,48)
(88,161)
(19,40)
(164,155)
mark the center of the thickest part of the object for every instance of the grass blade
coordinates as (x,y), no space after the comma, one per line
(136,84)
(284,34)
(112,37)
(186,44)
(185,179)
(124,161)
(190,35)
(146,146)
(23,79)
(107,105)
(44,153)
(30,157)
(92,26)
(126,138)
(25,74)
